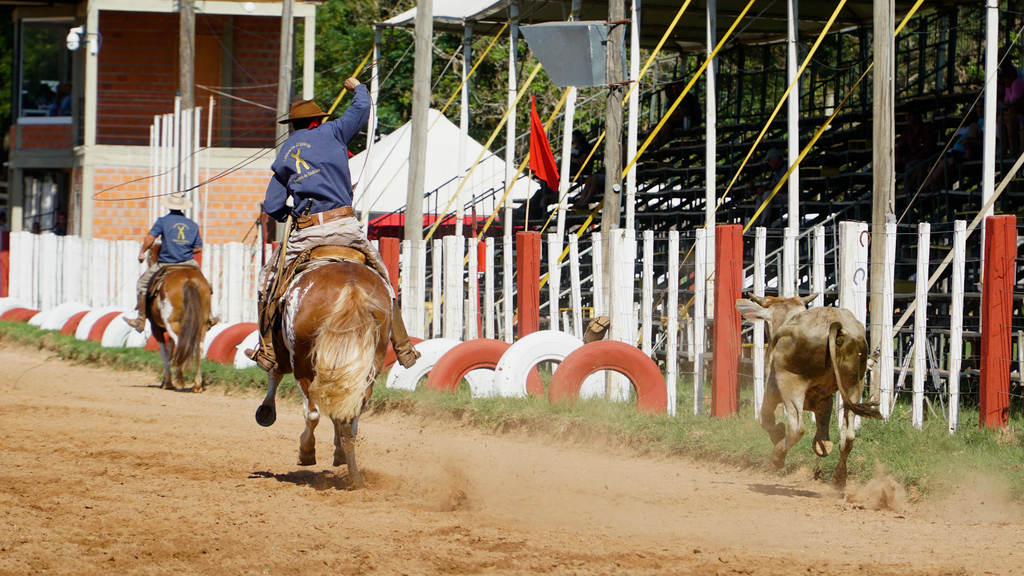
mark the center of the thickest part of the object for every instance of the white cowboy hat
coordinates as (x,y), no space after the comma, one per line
(174,202)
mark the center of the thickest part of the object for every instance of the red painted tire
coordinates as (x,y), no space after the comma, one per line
(390,357)
(97,330)
(468,356)
(152,345)
(19,315)
(223,348)
(72,324)
(651,395)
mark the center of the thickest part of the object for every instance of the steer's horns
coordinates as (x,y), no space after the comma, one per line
(808,299)
(759,300)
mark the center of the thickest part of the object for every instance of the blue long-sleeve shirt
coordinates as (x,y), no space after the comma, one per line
(313,164)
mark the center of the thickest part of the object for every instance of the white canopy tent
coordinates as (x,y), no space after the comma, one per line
(381,182)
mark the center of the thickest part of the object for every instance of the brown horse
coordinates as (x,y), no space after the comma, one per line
(179,307)
(334,331)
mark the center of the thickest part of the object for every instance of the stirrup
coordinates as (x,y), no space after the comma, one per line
(139,324)
(261,358)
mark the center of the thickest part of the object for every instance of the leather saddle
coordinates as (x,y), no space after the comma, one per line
(157,281)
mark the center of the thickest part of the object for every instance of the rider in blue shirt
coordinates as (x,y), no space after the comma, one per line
(179,243)
(312,169)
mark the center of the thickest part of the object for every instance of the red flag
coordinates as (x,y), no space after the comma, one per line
(542,161)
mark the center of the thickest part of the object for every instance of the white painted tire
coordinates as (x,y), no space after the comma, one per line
(135,339)
(85,326)
(543,346)
(56,318)
(212,334)
(241,360)
(431,350)
(37,320)
(12,303)
(116,334)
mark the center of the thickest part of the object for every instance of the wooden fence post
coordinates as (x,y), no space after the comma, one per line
(389,253)
(728,288)
(996,317)
(528,255)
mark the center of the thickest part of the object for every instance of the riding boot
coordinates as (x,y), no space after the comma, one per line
(407,355)
(263,355)
(139,323)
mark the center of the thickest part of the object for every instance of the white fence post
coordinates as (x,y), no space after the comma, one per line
(853,278)
(597,275)
(789,262)
(956,323)
(508,285)
(576,286)
(818,271)
(472,330)
(437,271)
(489,288)
(453,287)
(647,294)
(760,249)
(554,278)
(672,343)
(886,363)
(920,323)
(699,309)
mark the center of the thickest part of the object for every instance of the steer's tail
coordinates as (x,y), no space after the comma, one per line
(835,344)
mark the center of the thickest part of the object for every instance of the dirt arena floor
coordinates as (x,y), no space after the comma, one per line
(103,473)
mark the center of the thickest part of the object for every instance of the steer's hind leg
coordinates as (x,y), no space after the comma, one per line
(772,399)
(823,418)
(794,406)
(847,434)
(307,443)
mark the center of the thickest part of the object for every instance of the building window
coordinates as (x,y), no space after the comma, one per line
(45,69)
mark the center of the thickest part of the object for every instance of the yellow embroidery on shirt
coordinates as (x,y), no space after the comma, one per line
(299,162)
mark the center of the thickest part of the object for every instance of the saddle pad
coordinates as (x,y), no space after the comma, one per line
(157,281)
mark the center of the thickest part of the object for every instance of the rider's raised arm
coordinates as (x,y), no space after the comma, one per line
(352,121)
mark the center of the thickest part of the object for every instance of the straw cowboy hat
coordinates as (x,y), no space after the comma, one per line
(304,110)
(174,202)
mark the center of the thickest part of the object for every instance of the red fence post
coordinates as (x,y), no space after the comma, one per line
(996,319)
(725,390)
(389,253)
(528,257)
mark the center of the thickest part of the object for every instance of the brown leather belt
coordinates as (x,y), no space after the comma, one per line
(324,217)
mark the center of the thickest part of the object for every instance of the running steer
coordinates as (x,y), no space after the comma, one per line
(811,354)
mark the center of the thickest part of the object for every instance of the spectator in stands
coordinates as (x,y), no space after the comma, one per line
(686,116)
(61,228)
(915,148)
(62,104)
(1012,102)
(37,228)
(580,150)
(966,145)
(3,221)
(775,169)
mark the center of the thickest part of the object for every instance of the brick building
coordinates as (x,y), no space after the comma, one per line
(80,140)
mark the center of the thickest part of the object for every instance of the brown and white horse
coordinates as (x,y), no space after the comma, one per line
(334,332)
(179,316)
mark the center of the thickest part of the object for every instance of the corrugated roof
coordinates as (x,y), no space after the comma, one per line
(766,20)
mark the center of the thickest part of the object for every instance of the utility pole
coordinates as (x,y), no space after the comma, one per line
(284,77)
(186,53)
(612,167)
(883,195)
(420,108)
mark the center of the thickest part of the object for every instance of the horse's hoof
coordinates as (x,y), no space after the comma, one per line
(777,462)
(266,415)
(822,447)
(307,459)
(167,386)
(197,389)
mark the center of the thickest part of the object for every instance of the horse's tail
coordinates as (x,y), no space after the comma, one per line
(188,350)
(345,351)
